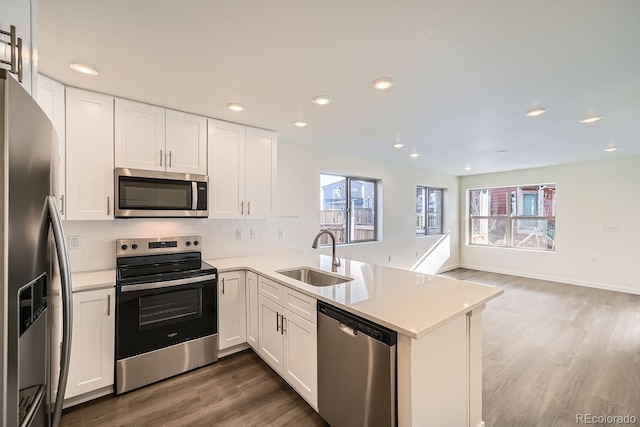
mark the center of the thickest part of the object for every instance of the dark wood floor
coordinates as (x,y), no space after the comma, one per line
(239,390)
(551,351)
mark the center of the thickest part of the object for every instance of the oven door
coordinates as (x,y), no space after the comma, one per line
(151,316)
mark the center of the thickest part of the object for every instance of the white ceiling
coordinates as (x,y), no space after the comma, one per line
(465,72)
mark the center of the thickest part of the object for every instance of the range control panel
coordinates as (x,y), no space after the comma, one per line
(159,245)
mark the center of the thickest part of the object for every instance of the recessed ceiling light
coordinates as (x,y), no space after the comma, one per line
(536,112)
(83,69)
(235,107)
(301,124)
(591,119)
(398,145)
(322,100)
(467,168)
(610,149)
(382,83)
(414,155)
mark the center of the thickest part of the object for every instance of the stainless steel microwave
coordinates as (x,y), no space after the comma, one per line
(154,194)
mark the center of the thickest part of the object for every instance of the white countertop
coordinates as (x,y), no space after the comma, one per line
(412,304)
(92,280)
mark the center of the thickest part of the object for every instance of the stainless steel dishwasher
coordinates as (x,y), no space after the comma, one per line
(356,370)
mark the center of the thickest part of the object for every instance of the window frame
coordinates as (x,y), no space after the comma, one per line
(425,202)
(509,217)
(348,221)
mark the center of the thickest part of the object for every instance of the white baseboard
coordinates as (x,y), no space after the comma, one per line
(480,424)
(562,280)
(448,268)
(232,350)
(76,400)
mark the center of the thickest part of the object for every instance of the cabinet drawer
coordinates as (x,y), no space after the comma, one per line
(300,304)
(270,289)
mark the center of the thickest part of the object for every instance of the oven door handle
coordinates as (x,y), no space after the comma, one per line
(167,283)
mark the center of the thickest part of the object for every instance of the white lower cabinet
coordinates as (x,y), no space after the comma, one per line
(253,321)
(271,338)
(288,343)
(92,342)
(301,356)
(232,319)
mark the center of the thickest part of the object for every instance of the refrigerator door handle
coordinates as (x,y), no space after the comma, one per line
(67,313)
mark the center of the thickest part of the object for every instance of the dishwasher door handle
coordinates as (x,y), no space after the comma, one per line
(348,330)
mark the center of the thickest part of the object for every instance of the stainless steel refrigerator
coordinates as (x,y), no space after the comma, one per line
(32,240)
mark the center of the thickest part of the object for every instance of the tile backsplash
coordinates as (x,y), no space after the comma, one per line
(92,244)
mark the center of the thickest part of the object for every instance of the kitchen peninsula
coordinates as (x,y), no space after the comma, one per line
(438,321)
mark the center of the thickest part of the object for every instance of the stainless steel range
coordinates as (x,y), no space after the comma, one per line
(166,310)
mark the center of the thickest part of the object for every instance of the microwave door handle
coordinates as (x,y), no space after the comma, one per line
(194,199)
(67,312)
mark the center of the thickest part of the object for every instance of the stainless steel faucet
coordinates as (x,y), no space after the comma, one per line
(335,262)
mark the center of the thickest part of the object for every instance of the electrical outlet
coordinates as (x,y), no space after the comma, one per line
(74,242)
(593,259)
(254,234)
(239,234)
(389,258)
(280,234)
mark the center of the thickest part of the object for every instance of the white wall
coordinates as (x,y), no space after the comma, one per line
(589,197)
(299,169)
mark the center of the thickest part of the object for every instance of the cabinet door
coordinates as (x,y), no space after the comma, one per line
(301,356)
(226,169)
(89,126)
(260,163)
(232,319)
(21,14)
(271,338)
(186,143)
(252,310)
(51,100)
(139,136)
(93,342)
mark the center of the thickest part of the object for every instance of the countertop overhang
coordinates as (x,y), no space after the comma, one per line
(412,304)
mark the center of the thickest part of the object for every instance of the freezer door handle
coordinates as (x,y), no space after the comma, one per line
(67,313)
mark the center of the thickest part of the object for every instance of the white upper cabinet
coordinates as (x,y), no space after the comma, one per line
(226,169)
(242,171)
(50,97)
(260,172)
(186,143)
(89,127)
(139,136)
(153,138)
(21,14)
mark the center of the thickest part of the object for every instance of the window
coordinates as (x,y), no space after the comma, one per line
(518,217)
(348,208)
(428,211)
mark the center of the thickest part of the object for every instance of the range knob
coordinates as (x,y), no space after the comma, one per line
(196,243)
(188,243)
(124,247)
(134,246)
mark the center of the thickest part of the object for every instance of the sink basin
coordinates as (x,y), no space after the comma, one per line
(314,277)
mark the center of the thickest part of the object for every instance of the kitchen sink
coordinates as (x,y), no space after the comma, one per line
(314,277)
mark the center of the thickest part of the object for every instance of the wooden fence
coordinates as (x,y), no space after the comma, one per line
(334,221)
